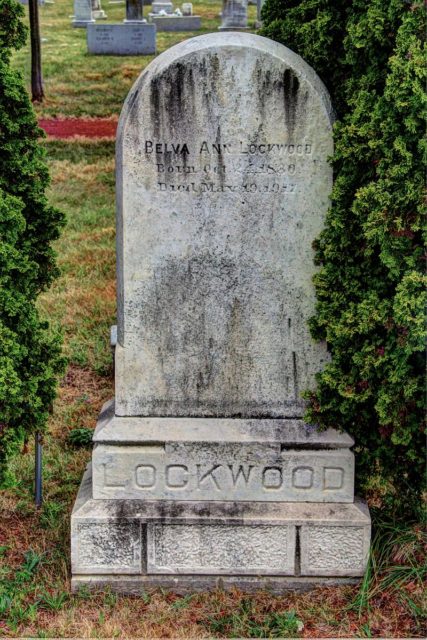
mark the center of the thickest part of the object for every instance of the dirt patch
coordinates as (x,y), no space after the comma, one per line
(79,127)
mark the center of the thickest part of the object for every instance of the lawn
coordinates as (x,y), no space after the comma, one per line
(78,84)
(35,597)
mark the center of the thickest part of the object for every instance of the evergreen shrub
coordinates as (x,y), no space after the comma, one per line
(30,354)
(371,280)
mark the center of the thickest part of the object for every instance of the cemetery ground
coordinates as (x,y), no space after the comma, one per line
(35,596)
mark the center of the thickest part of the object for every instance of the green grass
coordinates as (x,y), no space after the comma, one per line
(78,84)
(82,301)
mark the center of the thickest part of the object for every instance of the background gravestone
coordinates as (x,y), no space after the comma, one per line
(82,13)
(234,15)
(203,467)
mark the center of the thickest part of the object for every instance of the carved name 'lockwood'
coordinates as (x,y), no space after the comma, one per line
(201,472)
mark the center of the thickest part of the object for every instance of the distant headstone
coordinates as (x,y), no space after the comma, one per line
(158,6)
(82,13)
(187,9)
(130,39)
(204,472)
(175,22)
(234,15)
(134,10)
(97,11)
(259,5)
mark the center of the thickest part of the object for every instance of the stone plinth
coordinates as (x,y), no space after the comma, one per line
(204,472)
(219,460)
(251,544)
(127,39)
(175,23)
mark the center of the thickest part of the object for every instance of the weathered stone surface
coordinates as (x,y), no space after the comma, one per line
(234,15)
(127,39)
(112,429)
(225,472)
(221,549)
(111,537)
(107,547)
(186,584)
(223,181)
(175,23)
(82,13)
(334,551)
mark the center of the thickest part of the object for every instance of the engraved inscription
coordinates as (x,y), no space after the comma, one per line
(176,476)
(333,478)
(223,472)
(145,475)
(226,167)
(272,478)
(302,478)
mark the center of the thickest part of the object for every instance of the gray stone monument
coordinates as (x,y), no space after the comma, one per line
(183,21)
(82,13)
(131,38)
(203,471)
(234,15)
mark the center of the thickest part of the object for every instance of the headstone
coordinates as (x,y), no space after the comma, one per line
(82,13)
(259,5)
(158,6)
(175,22)
(126,39)
(187,9)
(97,11)
(203,470)
(134,10)
(234,15)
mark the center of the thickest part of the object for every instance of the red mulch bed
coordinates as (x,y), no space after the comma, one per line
(72,127)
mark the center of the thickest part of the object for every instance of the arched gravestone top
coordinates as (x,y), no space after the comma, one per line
(223,183)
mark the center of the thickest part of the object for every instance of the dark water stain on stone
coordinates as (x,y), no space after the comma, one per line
(155,104)
(180,308)
(290,95)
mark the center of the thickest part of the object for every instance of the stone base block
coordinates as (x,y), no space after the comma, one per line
(169,538)
(221,28)
(219,460)
(175,23)
(184,584)
(130,39)
(82,24)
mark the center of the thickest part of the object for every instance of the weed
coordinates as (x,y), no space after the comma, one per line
(182,603)
(80,437)
(51,515)
(396,561)
(247,622)
(53,601)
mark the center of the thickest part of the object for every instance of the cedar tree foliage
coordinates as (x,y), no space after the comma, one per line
(29,353)
(371,280)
